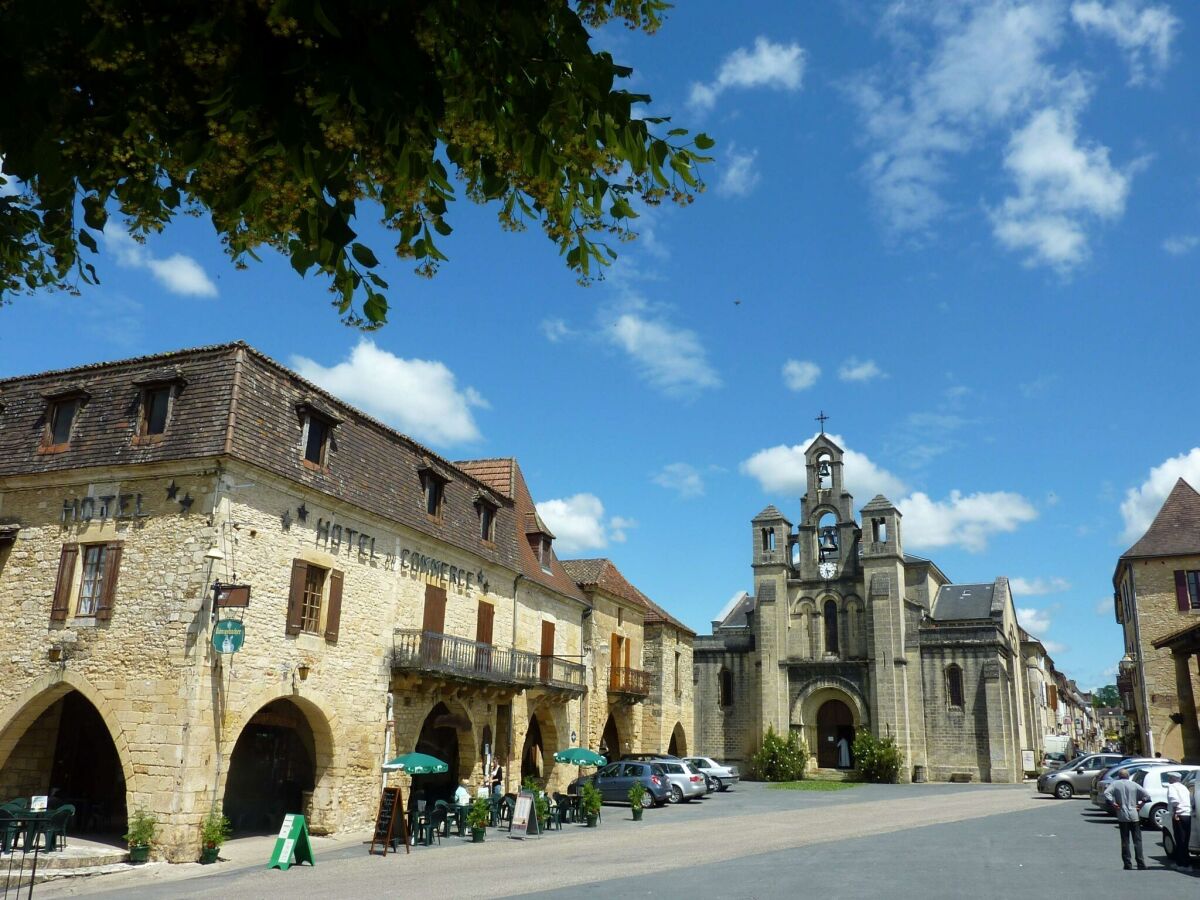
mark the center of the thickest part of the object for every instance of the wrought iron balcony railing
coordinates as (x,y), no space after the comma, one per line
(624,680)
(414,650)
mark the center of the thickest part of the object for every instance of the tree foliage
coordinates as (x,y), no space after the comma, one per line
(877,760)
(281,118)
(1106,696)
(780,758)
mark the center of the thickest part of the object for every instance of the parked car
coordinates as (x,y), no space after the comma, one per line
(615,779)
(1103,779)
(686,782)
(1076,777)
(1052,762)
(722,777)
(1154,780)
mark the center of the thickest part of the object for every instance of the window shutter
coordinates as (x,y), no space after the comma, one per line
(62,587)
(435,609)
(296,596)
(333,618)
(1181,591)
(112,565)
(483,623)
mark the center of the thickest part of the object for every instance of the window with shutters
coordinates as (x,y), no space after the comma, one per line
(315,600)
(310,604)
(93,580)
(1187,590)
(87,581)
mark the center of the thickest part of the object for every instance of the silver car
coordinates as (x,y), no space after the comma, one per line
(686,781)
(722,777)
(1076,776)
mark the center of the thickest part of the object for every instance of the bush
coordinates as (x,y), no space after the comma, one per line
(141,829)
(877,760)
(215,829)
(780,758)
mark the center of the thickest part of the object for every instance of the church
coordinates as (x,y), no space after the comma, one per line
(846,631)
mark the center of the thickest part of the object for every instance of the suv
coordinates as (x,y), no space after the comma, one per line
(615,780)
(721,776)
(1076,775)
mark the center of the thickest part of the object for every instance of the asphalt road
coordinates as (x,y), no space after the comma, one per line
(899,841)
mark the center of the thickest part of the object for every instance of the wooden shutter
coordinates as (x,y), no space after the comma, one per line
(62,587)
(1181,591)
(435,609)
(108,589)
(333,618)
(628,644)
(295,611)
(614,662)
(483,622)
(547,649)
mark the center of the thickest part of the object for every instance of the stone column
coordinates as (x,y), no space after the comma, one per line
(1187,707)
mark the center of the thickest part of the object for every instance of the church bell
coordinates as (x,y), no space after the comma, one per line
(823,470)
(828,541)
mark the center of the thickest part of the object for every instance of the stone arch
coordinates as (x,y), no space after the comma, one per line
(450,717)
(815,694)
(327,772)
(45,691)
(679,743)
(543,736)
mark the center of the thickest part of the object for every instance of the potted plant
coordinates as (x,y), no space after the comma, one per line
(590,799)
(140,835)
(213,833)
(541,804)
(478,817)
(636,792)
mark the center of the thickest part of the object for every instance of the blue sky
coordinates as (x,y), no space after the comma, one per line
(964,230)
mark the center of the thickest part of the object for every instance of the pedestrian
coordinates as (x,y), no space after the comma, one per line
(1126,797)
(496,779)
(1179,808)
(462,793)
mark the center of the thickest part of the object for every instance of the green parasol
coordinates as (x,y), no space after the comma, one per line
(416,764)
(579,756)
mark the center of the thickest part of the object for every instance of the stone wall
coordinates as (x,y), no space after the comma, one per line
(730,734)
(668,656)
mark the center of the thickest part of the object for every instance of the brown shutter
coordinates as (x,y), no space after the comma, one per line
(333,618)
(435,609)
(108,589)
(628,644)
(1181,591)
(483,623)
(62,587)
(547,649)
(295,610)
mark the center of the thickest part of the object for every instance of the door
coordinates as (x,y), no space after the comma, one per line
(547,650)
(614,663)
(434,623)
(483,635)
(834,723)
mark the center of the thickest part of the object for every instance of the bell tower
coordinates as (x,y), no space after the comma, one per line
(828,533)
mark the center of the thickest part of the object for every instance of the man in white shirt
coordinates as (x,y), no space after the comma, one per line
(1179,810)
(462,796)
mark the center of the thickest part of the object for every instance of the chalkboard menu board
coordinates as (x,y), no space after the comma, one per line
(391,812)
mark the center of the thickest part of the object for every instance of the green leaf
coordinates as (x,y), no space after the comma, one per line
(364,256)
(88,241)
(94,214)
(323,20)
(704,142)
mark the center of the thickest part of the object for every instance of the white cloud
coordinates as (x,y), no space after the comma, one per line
(1181,244)
(681,478)
(778,66)
(739,177)
(419,397)
(1035,621)
(671,358)
(1061,188)
(1033,586)
(1144,33)
(800,375)
(178,273)
(1054,646)
(1104,607)
(1142,503)
(555,330)
(579,524)
(855,369)
(962,520)
(780,470)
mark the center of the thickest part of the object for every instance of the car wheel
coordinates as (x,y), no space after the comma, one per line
(718,785)
(676,793)
(1168,843)
(647,799)
(1158,816)
(1064,791)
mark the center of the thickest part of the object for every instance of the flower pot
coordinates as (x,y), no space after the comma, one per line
(637,813)
(138,855)
(591,819)
(208,855)
(477,835)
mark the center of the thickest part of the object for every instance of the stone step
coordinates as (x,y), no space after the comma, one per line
(21,879)
(819,774)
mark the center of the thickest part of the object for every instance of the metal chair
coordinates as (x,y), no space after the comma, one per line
(434,823)
(55,830)
(9,829)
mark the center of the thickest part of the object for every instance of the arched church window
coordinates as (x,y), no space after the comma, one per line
(768,539)
(831,627)
(879,531)
(954,685)
(725,685)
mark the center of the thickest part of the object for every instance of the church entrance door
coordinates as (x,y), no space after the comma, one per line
(835,723)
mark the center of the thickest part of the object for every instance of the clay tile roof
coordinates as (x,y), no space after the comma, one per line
(556,578)
(603,574)
(495,473)
(1175,531)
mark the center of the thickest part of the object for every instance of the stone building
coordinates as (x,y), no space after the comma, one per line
(373,598)
(846,631)
(1156,594)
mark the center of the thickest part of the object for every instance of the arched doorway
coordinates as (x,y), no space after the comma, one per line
(610,740)
(439,738)
(68,754)
(272,767)
(835,724)
(533,753)
(678,745)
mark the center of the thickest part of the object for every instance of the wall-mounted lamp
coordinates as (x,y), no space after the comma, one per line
(55,653)
(302,671)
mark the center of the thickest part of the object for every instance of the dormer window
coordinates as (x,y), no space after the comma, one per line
(433,487)
(61,412)
(487,518)
(317,436)
(156,403)
(540,542)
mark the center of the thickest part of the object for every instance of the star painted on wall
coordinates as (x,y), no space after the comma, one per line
(172,490)
(186,502)
(287,520)
(302,513)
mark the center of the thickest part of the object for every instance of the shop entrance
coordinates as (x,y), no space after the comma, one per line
(271,769)
(610,740)
(439,739)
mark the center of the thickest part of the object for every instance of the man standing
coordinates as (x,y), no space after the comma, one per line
(1125,797)
(1179,808)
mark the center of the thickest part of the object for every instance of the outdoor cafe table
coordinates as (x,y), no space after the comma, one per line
(30,828)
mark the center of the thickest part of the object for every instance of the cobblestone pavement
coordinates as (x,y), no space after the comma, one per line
(902,840)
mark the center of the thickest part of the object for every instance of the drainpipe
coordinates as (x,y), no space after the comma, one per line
(508,761)
(1141,666)
(387,734)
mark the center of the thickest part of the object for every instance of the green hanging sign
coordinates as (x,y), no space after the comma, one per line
(292,846)
(228,636)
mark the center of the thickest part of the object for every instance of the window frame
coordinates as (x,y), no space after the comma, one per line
(952,670)
(1191,579)
(94,579)
(309,615)
(309,414)
(724,688)
(486,510)
(55,403)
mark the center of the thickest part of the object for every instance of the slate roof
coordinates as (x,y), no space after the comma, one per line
(879,502)
(963,601)
(771,512)
(1175,531)
(604,574)
(742,605)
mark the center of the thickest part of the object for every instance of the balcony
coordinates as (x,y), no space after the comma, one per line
(632,682)
(432,653)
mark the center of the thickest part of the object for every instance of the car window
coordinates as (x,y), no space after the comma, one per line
(673,768)
(657,769)
(1140,777)
(632,770)
(609,771)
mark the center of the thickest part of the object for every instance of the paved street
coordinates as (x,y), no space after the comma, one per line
(929,841)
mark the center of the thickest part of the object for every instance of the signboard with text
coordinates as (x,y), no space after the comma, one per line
(228,636)
(292,846)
